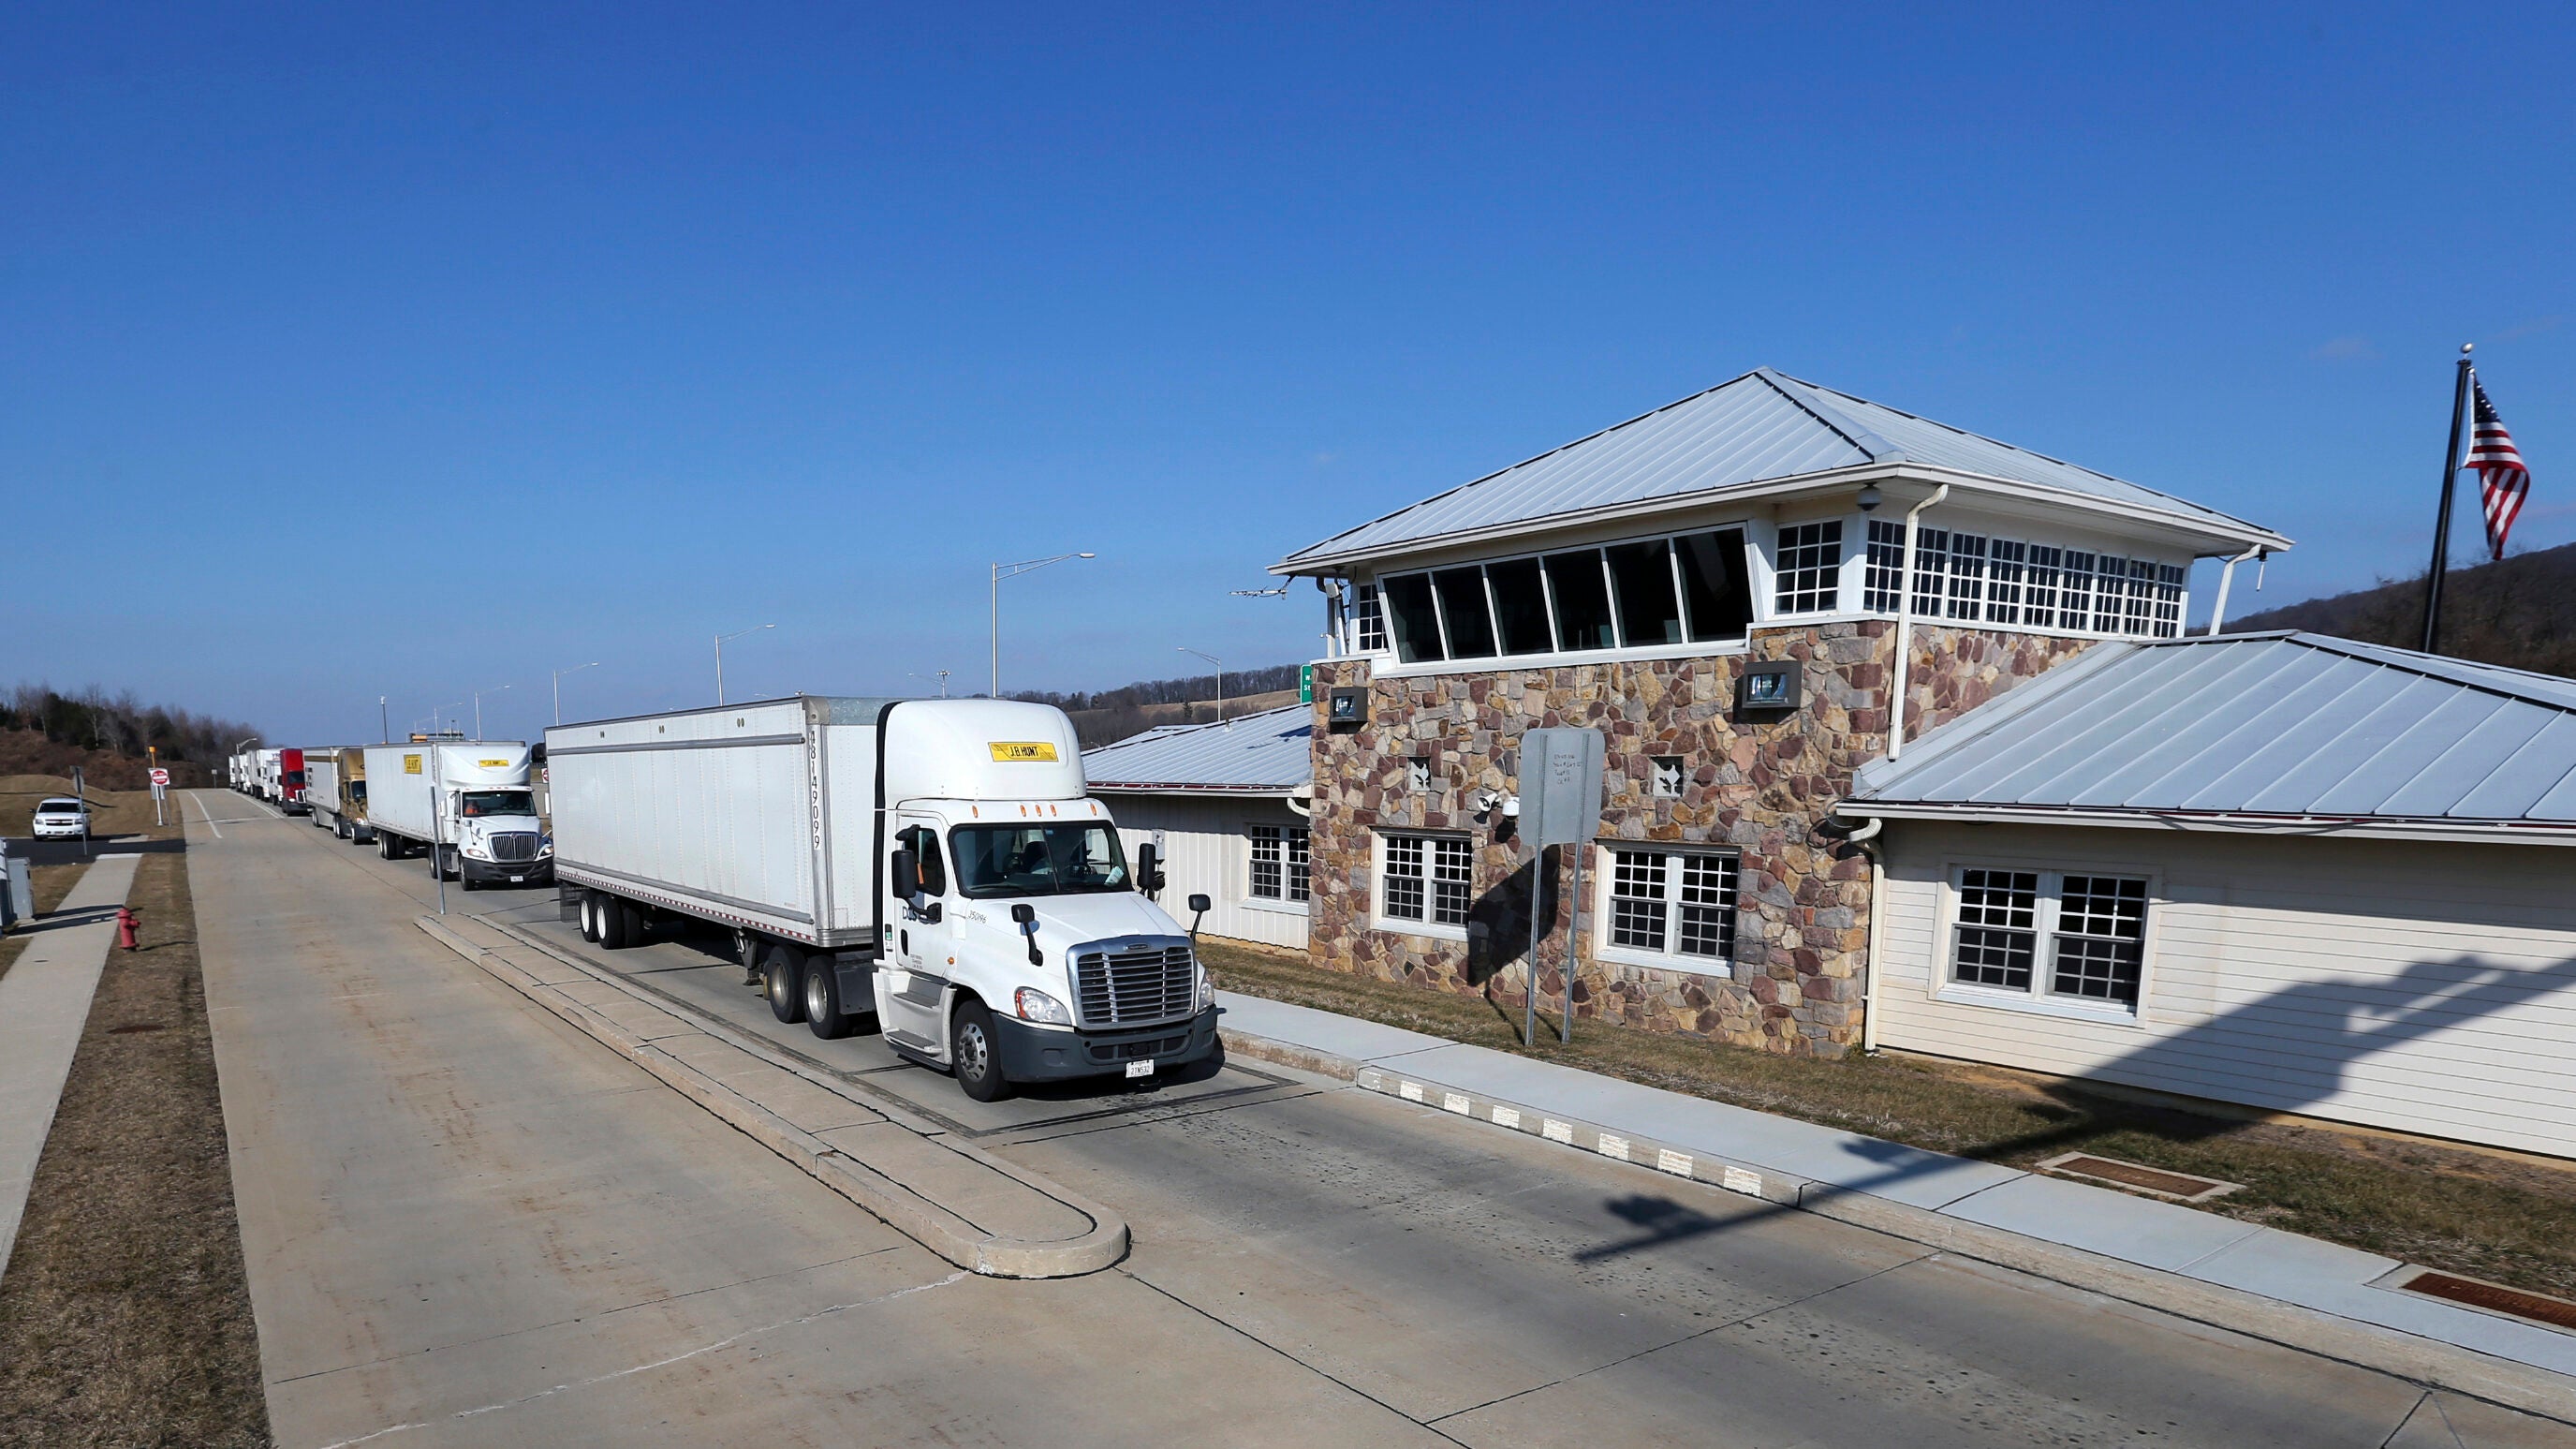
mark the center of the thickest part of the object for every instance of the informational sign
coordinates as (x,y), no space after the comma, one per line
(1023,752)
(1560,785)
(1305,684)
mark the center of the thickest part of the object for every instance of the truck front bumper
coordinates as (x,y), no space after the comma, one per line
(1035,1054)
(506,872)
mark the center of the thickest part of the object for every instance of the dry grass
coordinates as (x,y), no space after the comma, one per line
(112,812)
(125,1317)
(2500,1216)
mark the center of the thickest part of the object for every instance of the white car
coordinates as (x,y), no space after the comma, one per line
(62,818)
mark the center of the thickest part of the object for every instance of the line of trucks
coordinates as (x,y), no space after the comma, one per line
(938,865)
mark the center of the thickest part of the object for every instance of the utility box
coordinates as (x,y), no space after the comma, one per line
(18,892)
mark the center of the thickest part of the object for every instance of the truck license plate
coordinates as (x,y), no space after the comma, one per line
(1144,1068)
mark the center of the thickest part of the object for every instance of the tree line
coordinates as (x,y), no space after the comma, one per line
(121,725)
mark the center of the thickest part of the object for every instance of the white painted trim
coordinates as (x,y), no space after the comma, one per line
(1405,926)
(1603,949)
(2300,827)
(2038,1000)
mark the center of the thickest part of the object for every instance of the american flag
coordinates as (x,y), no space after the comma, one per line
(2502,478)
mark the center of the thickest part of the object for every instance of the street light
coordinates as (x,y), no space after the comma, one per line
(720,644)
(1013,571)
(434,714)
(576,669)
(478,707)
(943,682)
(1220,676)
(384,722)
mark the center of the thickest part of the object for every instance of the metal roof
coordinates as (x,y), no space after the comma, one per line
(1762,427)
(1270,753)
(2282,726)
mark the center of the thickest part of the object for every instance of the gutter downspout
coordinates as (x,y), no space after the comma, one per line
(1866,838)
(2226,576)
(1905,627)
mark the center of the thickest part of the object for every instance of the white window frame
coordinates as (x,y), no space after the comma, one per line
(1380,863)
(1288,836)
(1604,865)
(1828,577)
(2037,999)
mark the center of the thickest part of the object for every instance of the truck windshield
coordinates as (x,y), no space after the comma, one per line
(497,802)
(295,777)
(1037,860)
(358,790)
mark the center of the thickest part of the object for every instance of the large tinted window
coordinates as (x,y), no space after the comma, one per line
(1715,587)
(1643,575)
(1582,600)
(1462,607)
(1408,608)
(1520,606)
(1037,860)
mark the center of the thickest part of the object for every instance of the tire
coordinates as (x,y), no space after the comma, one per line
(611,913)
(385,845)
(587,908)
(467,881)
(638,925)
(782,980)
(823,1014)
(975,1053)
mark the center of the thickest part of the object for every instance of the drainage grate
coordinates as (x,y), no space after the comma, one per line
(2180,1186)
(2557,1312)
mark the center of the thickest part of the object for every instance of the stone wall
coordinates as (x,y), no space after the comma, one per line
(1760,787)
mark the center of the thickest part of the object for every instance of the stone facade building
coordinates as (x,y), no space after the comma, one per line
(1719,588)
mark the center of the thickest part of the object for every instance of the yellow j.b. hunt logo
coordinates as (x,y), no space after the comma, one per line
(494,764)
(1014,751)
(411,764)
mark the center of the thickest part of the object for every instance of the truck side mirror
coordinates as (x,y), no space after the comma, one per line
(1149,869)
(907,874)
(1027,916)
(1198,912)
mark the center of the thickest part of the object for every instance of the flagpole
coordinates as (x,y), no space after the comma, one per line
(2442,527)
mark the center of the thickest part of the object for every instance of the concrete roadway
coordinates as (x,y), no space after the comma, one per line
(467,1224)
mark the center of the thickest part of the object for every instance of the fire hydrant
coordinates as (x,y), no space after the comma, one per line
(126,921)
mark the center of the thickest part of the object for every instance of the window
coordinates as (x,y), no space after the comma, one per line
(1641,578)
(1370,615)
(1886,570)
(1463,612)
(1673,903)
(1580,594)
(2039,588)
(1417,624)
(1279,865)
(1967,576)
(1810,571)
(2075,591)
(2094,928)
(923,842)
(2142,596)
(1717,595)
(2169,601)
(1425,878)
(2004,580)
(2110,579)
(1931,570)
(1520,605)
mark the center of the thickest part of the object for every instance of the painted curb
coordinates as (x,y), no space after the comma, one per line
(2409,1356)
(900,1206)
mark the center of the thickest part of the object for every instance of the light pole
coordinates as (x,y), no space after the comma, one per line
(478,707)
(1013,571)
(434,714)
(576,669)
(943,682)
(384,723)
(1220,676)
(720,644)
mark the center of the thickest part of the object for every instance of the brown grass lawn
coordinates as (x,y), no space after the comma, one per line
(125,1316)
(112,812)
(2505,1217)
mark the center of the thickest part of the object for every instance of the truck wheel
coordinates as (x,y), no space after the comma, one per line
(637,923)
(469,882)
(975,1052)
(612,922)
(384,845)
(782,971)
(823,1000)
(588,909)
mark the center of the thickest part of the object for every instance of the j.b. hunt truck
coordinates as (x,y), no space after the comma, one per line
(938,863)
(467,802)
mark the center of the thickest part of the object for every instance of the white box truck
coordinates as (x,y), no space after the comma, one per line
(940,864)
(465,802)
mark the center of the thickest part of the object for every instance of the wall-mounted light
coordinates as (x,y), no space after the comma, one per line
(1870,498)
(1768,689)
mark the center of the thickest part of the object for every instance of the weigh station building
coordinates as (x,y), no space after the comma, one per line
(1718,587)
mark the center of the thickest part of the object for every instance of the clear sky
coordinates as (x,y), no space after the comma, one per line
(347,353)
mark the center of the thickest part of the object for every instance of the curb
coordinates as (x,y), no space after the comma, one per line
(2421,1360)
(901,1207)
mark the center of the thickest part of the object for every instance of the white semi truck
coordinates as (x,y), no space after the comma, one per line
(940,864)
(466,803)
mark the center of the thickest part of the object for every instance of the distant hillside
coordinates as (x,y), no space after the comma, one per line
(46,732)
(1110,715)
(2520,613)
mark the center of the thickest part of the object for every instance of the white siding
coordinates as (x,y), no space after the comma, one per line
(2429,988)
(1207,849)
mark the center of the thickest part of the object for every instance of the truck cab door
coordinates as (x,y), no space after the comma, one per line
(912,997)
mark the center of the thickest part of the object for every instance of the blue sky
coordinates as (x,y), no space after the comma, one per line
(346,354)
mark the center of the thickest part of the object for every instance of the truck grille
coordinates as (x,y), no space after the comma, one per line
(514,845)
(1153,983)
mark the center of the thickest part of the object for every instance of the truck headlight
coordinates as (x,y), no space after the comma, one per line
(1207,988)
(1036,1005)
(474,850)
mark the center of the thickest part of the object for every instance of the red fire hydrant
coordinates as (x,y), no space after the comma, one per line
(126,921)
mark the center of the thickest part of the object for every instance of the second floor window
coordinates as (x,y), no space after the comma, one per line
(1811,568)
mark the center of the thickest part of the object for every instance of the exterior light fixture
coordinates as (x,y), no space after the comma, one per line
(1870,498)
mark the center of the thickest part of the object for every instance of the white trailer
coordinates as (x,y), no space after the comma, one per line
(335,788)
(939,864)
(464,802)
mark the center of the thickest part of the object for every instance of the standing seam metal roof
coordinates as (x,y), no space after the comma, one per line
(1270,752)
(1761,427)
(2284,724)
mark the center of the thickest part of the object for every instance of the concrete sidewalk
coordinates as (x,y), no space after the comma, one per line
(2295,1290)
(44,1002)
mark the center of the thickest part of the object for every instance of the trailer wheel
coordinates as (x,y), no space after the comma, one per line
(823,1000)
(587,908)
(636,920)
(782,971)
(612,922)
(975,1053)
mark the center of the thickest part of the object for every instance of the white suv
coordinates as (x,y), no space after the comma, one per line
(61,818)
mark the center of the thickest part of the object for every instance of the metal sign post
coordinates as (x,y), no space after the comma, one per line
(80,792)
(1560,805)
(160,794)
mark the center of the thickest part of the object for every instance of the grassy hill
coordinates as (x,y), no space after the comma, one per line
(2520,613)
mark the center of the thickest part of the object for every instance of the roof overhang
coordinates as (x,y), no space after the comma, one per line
(1256,792)
(2349,827)
(2206,536)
